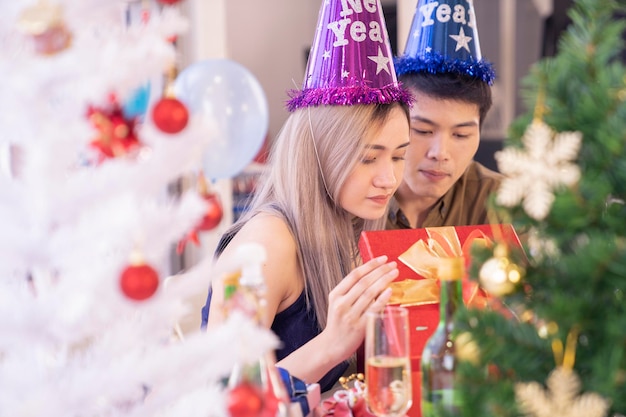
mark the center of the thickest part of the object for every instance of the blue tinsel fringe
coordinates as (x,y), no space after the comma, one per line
(438,64)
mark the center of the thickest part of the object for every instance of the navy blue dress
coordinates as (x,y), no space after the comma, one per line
(294,326)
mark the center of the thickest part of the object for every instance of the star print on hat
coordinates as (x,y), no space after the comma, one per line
(444,39)
(350,60)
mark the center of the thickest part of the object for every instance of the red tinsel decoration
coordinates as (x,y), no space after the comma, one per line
(212,216)
(115,134)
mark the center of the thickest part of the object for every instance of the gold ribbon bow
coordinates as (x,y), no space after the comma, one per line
(422,257)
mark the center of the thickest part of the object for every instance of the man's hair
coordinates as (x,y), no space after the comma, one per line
(451,86)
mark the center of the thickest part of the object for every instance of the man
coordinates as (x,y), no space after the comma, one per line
(442,67)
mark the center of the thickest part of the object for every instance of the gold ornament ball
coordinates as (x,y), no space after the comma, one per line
(43,22)
(466,348)
(499,276)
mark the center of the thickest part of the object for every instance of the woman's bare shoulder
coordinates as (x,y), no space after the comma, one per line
(270,230)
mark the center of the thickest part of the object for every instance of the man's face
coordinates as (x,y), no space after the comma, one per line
(444,139)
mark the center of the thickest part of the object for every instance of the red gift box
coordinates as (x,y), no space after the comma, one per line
(422,304)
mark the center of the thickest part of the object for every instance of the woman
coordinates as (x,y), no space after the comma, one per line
(332,172)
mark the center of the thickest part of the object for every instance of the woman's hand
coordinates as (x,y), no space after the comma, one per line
(364,289)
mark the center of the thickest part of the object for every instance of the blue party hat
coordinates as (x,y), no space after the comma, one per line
(444,39)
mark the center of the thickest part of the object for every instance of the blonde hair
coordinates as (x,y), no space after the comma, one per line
(312,156)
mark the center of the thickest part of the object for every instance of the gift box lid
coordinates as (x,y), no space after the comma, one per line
(394,243)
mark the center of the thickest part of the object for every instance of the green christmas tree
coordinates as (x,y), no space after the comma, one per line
(561,349)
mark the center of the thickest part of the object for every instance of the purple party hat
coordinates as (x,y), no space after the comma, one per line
(444,39)
(350,60)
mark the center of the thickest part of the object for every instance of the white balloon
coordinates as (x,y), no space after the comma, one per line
(229,95)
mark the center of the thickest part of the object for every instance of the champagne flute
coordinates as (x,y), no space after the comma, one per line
(388,362)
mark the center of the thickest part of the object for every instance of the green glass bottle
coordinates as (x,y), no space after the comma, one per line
(439,397)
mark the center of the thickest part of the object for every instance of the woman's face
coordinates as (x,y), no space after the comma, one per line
(378,173)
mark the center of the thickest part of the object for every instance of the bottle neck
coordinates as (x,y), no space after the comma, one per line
(451,297)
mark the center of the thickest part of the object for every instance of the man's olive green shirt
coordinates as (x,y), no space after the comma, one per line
(464,204)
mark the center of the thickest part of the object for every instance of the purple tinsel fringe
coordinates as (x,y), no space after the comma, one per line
(347,96)
(438,64)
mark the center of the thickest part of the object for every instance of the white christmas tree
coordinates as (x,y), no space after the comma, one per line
(84,205)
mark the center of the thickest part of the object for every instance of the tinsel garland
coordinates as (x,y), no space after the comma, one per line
(438,64)
(347,96)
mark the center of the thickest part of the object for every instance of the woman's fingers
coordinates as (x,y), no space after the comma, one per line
(365,288)
(361,278)
(382,300)
(359,289)
(370,288)
(356,274)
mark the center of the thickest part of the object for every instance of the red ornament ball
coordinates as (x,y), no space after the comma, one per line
(169,1)
(170,115)
(139,282)
(245,400)
(213,216)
